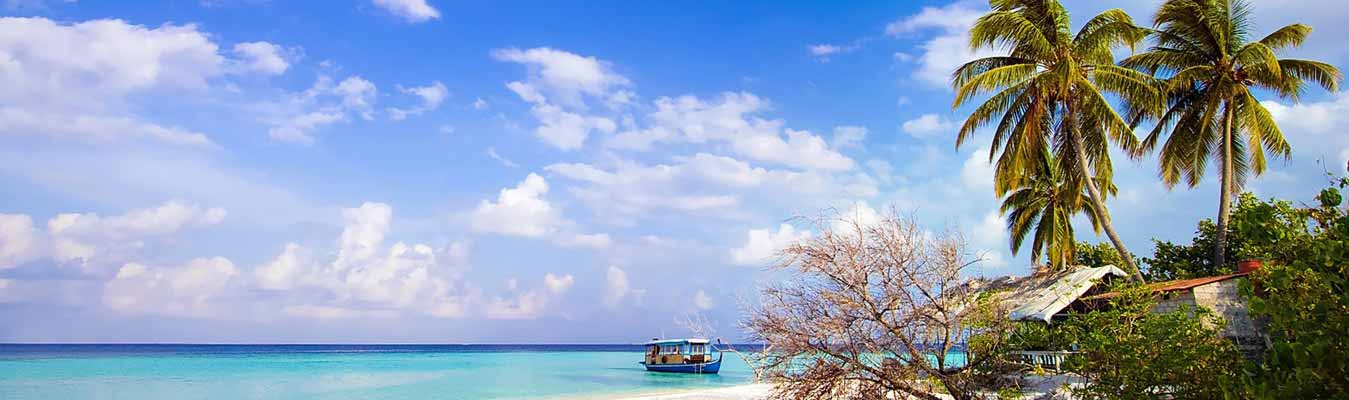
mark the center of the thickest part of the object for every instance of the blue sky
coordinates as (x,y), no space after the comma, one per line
(421,171)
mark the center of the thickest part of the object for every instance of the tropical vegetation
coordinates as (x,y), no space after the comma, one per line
(1041,209)
(1049,92)
(1213,72)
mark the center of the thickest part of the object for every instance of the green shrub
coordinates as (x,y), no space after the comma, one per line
(1125,351)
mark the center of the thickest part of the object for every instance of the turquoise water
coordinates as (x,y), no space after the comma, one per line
(338,372)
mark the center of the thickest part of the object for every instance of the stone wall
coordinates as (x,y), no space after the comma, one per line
(1224,299)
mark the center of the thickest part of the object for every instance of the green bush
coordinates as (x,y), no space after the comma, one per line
(1125,351)
(1305,306)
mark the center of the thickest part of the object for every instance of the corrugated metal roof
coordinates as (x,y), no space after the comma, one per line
(1043,302)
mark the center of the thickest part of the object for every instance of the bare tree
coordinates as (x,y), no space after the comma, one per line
(871,312)
(699,326)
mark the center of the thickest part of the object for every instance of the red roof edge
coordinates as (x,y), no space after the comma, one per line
(1179,284)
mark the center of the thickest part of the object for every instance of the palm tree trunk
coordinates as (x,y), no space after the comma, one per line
(1103,214)
(1225,193)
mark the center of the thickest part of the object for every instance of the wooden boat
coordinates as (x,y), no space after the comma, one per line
(690,356)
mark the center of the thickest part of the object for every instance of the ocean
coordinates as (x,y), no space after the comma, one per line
(333,372)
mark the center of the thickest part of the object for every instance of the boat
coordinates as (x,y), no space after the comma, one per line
(689,356)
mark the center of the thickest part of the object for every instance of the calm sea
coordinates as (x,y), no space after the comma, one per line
(129,371)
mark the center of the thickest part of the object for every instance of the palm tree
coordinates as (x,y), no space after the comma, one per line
(1045,204)
(1202,48)
(1049,90)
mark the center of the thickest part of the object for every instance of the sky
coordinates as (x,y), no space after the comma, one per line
(422,171)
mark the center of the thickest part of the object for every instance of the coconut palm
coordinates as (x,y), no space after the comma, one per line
(1042,208)
(1050,90)
(1212,70)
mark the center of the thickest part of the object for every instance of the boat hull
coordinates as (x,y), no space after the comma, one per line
(701,368)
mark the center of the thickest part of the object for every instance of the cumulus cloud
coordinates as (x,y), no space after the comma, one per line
(261,57)
(595,241)
(702,300)
(943,53)
(617,287)
(430,96)
(18,240)
(414,11)
(733,119)
(848,136)
(519,211)
(977,172)
(323,104)
(1313,128)
(989,235)
(565,76)
(761,245)
(704,184)
(85,236)
(528,304)
(44,62)
(928,126)
(558,284)
(369,277)
(191,290)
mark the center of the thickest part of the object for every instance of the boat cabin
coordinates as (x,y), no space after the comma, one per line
(678,351)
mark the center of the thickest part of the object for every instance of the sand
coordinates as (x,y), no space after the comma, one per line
(742,392)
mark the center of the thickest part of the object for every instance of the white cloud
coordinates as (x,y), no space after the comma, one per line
(704,185)
(95,129)
(617,287)
(77,236)
(702,300)
(558,284)
(526,305)
(192,290)
(368,277)
(492,152)
(70,80)
(594,241)
(762,245)
(322,104)
(859,213)
(977,172)
(928,126)
(262,57)
(299,128)
(565,76)
(430,95)
(357,94)
(413,11)
(479,104)
(848,136)
(990,235)
(950,48)
(18,240)
(567,130)
(823,51)
(1313,128)
(557,88)
(287,270)
(519,211)
(732,119)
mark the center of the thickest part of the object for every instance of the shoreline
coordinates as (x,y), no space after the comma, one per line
(750,391)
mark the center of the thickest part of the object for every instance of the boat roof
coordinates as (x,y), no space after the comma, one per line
(677,341)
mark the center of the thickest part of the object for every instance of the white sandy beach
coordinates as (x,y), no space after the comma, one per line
(743,392)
